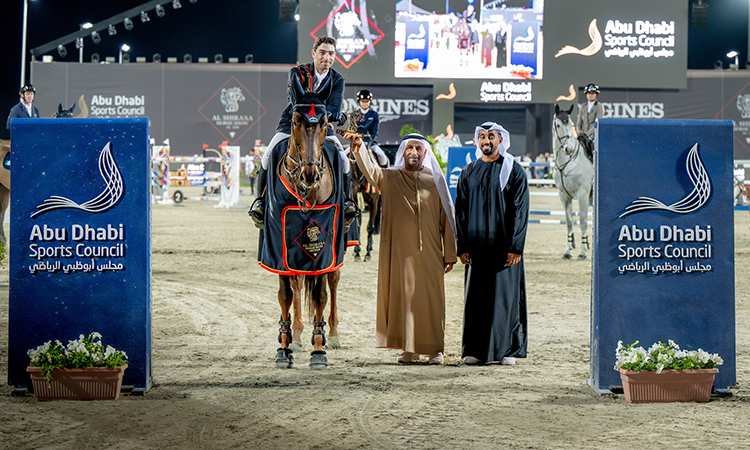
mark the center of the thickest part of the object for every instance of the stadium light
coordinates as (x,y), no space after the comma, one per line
(111,30)
(160,10)
(128,23)
(735,55)
(176,4)
(144,17)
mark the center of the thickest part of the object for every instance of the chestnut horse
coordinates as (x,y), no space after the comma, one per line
(307,169)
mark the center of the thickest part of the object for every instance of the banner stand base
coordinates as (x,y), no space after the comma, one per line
(598,390)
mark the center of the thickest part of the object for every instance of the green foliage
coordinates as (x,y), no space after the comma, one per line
(663,356)
(83,352)
(2,252)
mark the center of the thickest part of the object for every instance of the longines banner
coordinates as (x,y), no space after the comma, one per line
(80,249)
(664,251)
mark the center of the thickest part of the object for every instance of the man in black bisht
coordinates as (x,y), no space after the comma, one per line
(492,212)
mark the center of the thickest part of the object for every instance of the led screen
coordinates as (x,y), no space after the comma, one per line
(491,40)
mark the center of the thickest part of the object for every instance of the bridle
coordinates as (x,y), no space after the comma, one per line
(563,140)
(564,118)
(301,187)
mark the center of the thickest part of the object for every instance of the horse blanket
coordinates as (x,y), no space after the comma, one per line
(297,243)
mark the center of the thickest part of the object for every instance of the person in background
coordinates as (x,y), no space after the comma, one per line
(587,114)
(368,125)
(24,109)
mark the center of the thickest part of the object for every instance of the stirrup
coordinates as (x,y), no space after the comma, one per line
(351,212)
(256,212)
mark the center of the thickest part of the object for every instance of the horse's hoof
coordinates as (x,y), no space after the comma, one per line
(318,360)
(296,346)
(567,256)
(284,358)
(357,258)
(367,258)
(581,256)
(334,342)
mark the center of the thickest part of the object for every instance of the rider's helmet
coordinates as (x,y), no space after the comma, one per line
(27,88)
(591,87)
(364,94)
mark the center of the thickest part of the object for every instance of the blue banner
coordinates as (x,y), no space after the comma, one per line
(524,42)
(458,158)
(417,43)
(664,242)
(80,250)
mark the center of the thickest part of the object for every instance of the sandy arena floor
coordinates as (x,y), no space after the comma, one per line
(215,325)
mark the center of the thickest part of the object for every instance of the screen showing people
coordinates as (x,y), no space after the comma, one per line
(490,40)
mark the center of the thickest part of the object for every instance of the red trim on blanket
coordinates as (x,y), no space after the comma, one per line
(351,243)
(317,272)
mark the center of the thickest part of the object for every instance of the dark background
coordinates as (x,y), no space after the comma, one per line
(237,28)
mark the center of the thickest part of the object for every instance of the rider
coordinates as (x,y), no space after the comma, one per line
(588,113)
(367,126)
(24,109)
(320,80)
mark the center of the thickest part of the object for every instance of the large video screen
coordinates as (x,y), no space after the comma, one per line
(475,40)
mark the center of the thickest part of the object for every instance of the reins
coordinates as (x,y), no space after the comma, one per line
(301,192)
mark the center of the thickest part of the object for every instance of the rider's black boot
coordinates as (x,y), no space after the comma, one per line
(258,208)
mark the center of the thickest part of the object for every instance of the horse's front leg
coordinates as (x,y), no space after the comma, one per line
(284,357)
(317,288)
(568,205)
(333,315)
(297,324)
(583,208)
(370,231)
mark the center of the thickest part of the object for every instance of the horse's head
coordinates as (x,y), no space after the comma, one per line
(304,161)
(563,127)
(64,113)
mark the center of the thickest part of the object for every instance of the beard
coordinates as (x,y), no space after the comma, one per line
(488,149)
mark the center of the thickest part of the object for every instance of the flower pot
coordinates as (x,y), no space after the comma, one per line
(668,386)
(89,383)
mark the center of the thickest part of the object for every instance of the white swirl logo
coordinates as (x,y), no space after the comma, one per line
(697,198)
(110,196)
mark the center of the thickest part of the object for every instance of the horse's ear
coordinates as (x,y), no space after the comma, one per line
(72,108)
(59,108)
(557,109)
(571,109)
